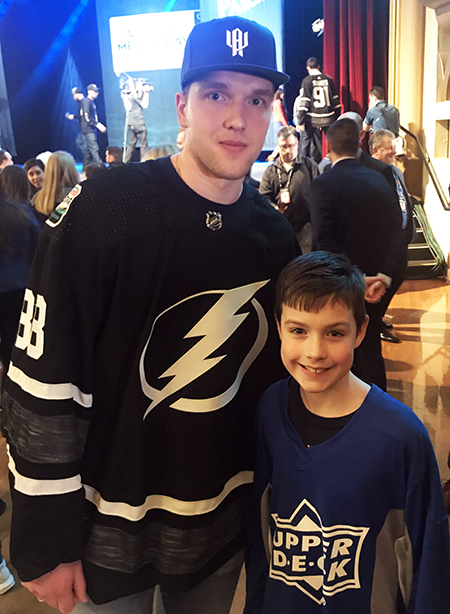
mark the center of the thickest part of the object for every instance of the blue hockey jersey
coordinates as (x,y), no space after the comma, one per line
(353,525)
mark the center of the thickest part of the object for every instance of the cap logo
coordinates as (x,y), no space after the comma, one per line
(238,41)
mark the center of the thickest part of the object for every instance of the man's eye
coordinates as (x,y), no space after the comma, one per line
(214,96)
(256,102)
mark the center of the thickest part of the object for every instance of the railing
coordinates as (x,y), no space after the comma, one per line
(430,169)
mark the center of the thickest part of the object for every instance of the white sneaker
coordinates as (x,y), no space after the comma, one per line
(6,578)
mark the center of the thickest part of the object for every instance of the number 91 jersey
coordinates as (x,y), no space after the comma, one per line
(318,101)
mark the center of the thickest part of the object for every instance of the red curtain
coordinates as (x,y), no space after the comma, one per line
(355,48)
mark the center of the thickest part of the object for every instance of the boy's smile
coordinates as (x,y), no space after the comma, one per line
(317,350)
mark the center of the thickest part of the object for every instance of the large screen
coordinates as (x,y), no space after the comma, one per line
(145,40)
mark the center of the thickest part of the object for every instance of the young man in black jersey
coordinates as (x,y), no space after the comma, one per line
(146,339)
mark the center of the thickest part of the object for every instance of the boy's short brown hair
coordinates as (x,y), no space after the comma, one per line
(310,281)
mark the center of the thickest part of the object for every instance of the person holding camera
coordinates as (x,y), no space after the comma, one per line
(135,95)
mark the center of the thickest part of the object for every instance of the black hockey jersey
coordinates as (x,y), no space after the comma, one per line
(318,101)
(145,341)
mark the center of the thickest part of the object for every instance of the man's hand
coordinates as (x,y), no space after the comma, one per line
(70,116)
(101,127)
(375,289)
(301,128)
(61,588)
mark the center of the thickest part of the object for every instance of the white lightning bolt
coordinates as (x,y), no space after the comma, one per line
(216,326)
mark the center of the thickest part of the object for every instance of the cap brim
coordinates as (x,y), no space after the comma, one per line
(274,76)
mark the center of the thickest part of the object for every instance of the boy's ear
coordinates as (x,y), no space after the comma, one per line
(362,332)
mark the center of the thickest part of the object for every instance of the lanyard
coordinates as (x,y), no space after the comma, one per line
(290,173)
(401,201)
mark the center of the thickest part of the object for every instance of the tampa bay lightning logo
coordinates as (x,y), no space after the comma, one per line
(211,340)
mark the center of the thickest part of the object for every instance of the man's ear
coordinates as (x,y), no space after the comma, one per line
(181,103)
(362,332)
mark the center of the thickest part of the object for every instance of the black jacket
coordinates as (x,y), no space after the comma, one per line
(389,173)
(276,178)
(355,212)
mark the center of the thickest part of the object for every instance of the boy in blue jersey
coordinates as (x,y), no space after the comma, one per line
(348,515)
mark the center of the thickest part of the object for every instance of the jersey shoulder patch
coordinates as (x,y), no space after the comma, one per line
(58,214)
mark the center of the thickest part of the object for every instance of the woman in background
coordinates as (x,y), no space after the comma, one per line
(35,170)
(60,177)
(279,118)
(278,110)
(14,185)
(19,232)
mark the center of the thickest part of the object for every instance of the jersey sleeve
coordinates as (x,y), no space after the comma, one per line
(335,99)
(428,530)
(47,403)
(257,550)
(303,104)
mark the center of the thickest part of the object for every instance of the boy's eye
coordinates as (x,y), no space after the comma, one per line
(336,333)
(298,331)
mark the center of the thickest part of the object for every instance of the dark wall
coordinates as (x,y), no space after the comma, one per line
(35,50)
(50,46)
(301,43)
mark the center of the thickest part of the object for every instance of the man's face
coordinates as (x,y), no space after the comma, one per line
(385,150)
(317,347)
(36,176)
(288,149)
(78,96)
(372,101)
(92,94)
(108,157)
(226,116)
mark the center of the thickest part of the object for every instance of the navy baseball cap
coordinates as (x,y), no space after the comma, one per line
(231,43)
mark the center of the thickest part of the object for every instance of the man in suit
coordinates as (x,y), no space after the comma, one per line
(382,148)
(354,212)
(364,158)
(382,160)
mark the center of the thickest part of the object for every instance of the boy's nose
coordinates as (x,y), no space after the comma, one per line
(315,347)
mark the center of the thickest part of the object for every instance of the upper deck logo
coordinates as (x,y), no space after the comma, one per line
(238,41)
(320,561)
